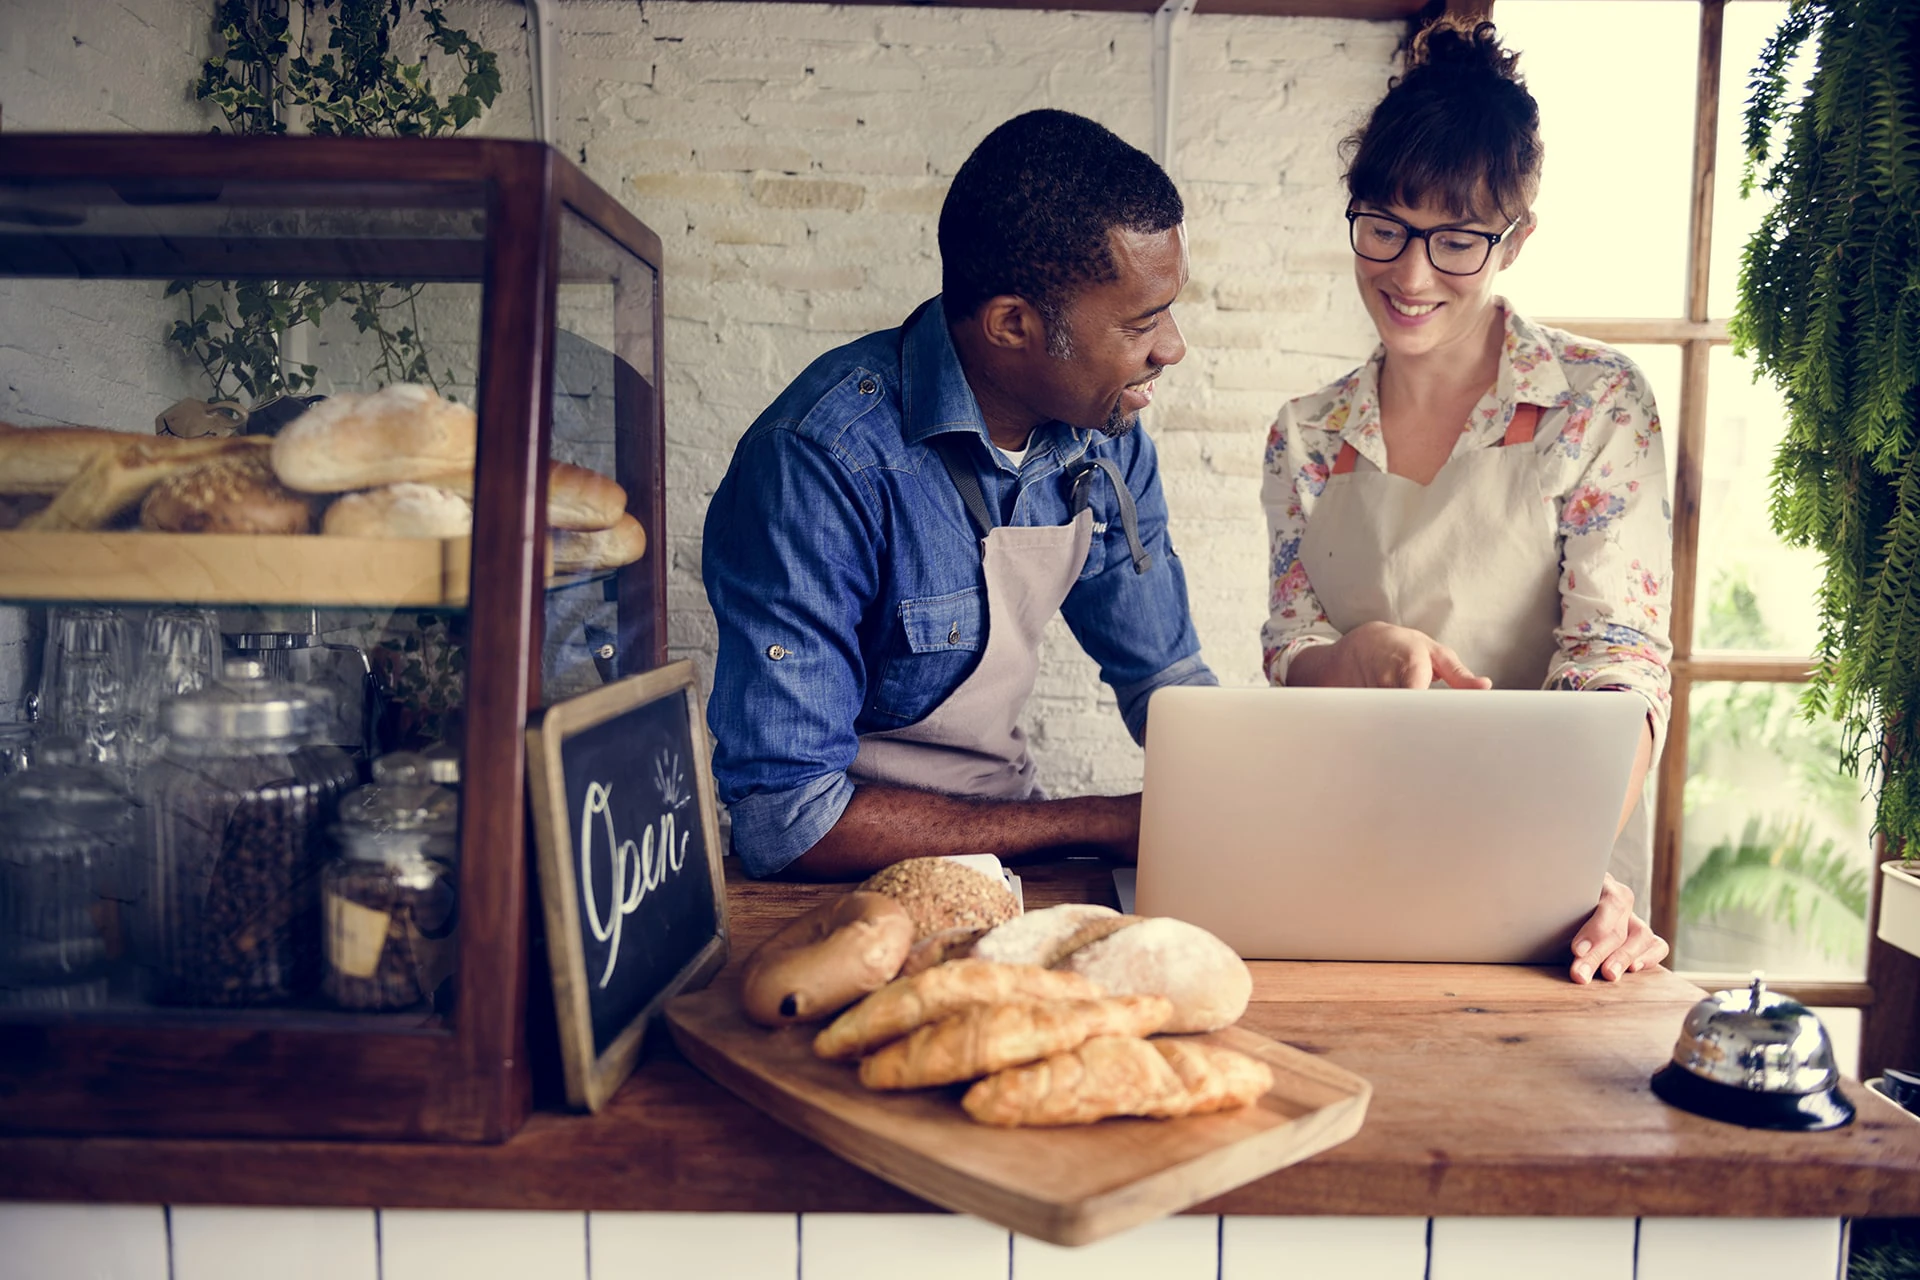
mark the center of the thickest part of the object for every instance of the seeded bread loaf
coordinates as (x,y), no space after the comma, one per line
(237,493)
(940,894)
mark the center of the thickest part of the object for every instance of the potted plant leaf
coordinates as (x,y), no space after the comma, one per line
(1829,308)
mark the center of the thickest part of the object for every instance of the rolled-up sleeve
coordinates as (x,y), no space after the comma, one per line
(1137,625)
(1615,528)
(789,564)
(1290,479)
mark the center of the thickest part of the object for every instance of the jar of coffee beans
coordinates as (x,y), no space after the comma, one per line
(389,911)
(235,816)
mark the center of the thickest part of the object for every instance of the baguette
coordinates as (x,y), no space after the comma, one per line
(114,481)
(988,1038)
(1106,1076)
(573,551)
(906,1003)
(44,460)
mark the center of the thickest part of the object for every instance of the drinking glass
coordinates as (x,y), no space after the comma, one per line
(83,683)
(179,653)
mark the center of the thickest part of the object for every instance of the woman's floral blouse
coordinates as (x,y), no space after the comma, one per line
(1604,487)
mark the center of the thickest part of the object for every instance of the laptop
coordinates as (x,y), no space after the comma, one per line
(1384,824)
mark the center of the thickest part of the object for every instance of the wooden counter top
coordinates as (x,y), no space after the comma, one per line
(1497,1091)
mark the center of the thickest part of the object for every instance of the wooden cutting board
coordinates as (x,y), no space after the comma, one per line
(1066,1186)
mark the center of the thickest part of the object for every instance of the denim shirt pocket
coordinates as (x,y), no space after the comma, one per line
(938,642)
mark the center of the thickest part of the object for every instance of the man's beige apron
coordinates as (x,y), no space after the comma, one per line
(1471,559)
(972,744)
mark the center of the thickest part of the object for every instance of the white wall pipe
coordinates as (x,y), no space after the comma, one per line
(1169,21)
(543,51)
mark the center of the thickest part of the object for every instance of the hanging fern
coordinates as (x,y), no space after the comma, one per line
(1772,874)
(1829,307)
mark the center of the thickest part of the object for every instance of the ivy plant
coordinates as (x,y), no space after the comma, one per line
(269,78)
(1829,309)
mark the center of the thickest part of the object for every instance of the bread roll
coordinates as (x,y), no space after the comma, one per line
(906,1003)
(1047,936)
(399,511)
(1106,1076)
(402,433)
(44,460)
(988,1038)
(825,959)
(576,498)
(572,551)
(234,494)
(113,481)
(940,894)
(1208,984)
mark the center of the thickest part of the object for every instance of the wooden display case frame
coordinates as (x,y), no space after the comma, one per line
(203,1073)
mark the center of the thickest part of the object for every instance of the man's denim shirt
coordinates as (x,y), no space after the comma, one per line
(846,578)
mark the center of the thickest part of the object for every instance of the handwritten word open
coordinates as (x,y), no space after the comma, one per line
(651,862)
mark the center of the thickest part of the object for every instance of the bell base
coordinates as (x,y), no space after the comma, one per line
(1821,1109)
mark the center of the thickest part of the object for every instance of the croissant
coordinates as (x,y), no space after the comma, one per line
(987,1038)
(1116,1076)
(1106,1076)
(906,1003)
(1215,1079)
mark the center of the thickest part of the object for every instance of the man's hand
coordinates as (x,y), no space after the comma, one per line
(883,825)
(1614,941)
(1379,655)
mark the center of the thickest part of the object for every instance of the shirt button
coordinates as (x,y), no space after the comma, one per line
(868,386)
(953,634)
(777,651)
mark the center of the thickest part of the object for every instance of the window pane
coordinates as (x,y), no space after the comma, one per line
(1775,852)
(1754,592)
(1661,363)
(1748,27)
(1612,237)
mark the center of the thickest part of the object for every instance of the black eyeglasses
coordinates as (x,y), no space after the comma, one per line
(1454,251)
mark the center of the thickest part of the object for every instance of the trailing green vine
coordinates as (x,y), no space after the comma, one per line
(268,78)
(1829,306)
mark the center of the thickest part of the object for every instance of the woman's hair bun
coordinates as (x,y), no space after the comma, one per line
(1461,46)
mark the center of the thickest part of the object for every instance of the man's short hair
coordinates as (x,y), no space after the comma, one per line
(1029,212)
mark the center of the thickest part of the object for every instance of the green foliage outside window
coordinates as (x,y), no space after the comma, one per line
(267,78)
(1772,870)
(1830,309)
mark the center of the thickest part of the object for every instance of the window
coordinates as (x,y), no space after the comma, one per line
(1762,856)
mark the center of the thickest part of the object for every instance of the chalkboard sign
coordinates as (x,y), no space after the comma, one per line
(635,902)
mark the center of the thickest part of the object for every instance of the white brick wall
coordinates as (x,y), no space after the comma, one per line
(793,159)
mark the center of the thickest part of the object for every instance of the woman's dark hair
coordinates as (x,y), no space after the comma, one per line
(1458,128)
(1029,211)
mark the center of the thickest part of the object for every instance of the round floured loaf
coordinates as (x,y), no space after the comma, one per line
(401,433)
(399,511)
(1043,937)
(237,493)
(1208,983)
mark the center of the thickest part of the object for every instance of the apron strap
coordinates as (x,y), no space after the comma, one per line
(965,480)
(1526,419)
(1129,516)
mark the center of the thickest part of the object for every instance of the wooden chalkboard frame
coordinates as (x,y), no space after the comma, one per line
(592,1078)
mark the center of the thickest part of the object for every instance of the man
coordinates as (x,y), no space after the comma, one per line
(897,529)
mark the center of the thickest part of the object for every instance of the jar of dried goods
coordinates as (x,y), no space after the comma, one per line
(235,817)
(66,872)
(389,911)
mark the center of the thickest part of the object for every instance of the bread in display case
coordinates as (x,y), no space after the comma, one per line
(319,458)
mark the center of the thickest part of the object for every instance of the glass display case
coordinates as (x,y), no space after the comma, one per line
(323,462)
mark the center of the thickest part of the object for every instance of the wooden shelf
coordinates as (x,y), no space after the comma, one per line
(232,568)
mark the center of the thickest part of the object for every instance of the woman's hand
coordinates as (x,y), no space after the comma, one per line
(1614,941)
(1379,655)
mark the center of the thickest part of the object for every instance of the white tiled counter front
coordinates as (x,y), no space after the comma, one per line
(122,1242)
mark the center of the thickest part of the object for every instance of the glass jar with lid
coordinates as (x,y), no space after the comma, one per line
(66,865)
(388,895)
(235,815)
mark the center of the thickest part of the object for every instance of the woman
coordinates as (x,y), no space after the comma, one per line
(1483,503)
